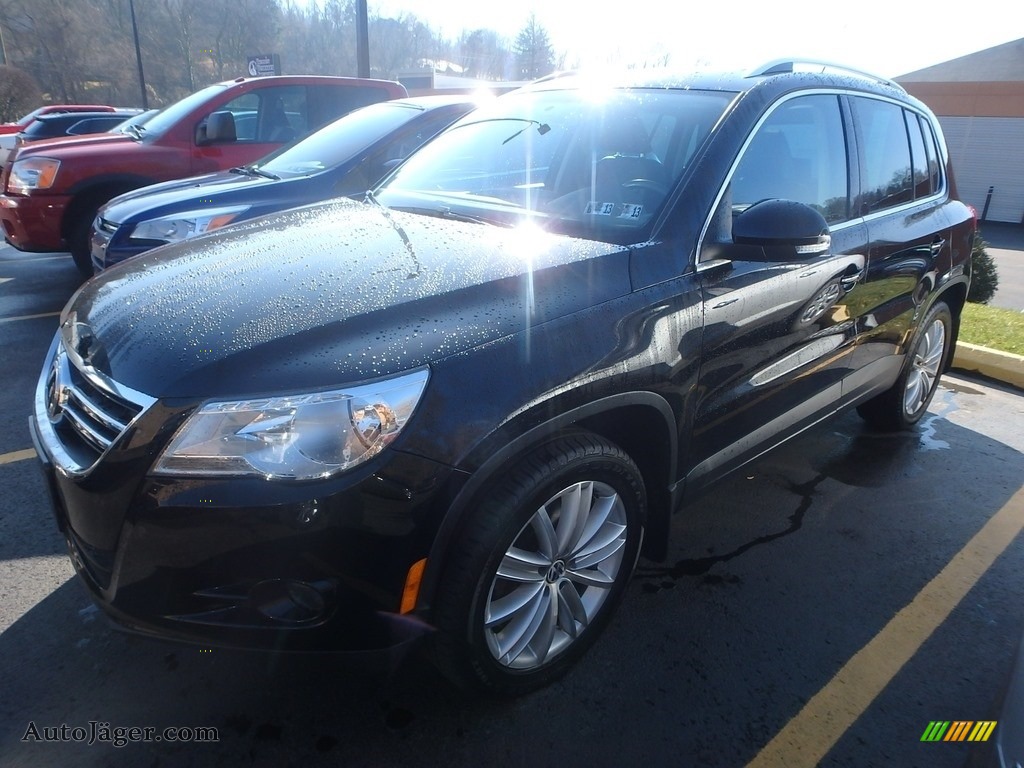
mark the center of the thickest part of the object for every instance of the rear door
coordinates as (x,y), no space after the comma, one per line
(902,201)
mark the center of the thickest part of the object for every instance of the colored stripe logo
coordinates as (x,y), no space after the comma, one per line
(959,730)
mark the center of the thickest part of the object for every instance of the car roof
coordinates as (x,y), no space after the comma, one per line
(59,117)
(780,74)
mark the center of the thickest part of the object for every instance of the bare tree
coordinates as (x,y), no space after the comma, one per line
(483,53)
(83,50)
(402,43)
(19,93)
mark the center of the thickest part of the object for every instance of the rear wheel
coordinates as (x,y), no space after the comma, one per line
(540,567)
(903,405)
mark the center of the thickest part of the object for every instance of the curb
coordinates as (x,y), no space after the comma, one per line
(1002,366)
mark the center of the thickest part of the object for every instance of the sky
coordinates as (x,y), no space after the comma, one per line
(885,37)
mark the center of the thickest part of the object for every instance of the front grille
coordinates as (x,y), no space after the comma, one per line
(86,412)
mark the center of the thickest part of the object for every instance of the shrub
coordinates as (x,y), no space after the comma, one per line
(984,275)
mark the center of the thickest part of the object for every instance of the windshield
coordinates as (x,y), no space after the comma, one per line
(592,165)
(170,116)
(340,140)
(26,119)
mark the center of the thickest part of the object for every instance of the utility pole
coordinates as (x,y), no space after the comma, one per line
(138,56)
(3,45)
(362,39)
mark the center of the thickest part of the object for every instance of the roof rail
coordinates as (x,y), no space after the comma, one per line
(781,66)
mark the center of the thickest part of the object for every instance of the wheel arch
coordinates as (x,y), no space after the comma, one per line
(641,423)
(103,188)
(955,296)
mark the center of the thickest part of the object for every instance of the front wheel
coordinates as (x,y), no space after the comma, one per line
(540,566)
(79,240)
(903,405)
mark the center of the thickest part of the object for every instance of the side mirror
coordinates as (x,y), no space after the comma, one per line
(219,127)
(783,227)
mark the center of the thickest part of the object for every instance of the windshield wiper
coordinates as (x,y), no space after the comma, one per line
(448,213)
(542,128)
(253,170)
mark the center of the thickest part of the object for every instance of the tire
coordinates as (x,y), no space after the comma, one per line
(528,588)
(903,405)
(79,239)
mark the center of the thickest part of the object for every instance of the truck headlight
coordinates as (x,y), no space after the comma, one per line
(32,173)
(180,226)
(293,437)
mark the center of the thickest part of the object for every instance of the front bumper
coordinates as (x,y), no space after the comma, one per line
(33,223)
(109,245)
(246,563)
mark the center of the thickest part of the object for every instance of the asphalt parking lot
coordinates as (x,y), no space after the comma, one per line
(821,607)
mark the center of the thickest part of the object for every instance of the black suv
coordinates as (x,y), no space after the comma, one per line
(470,401)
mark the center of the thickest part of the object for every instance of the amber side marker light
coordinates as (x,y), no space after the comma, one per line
(413,579)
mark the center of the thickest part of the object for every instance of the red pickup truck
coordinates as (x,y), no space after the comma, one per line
(52,189)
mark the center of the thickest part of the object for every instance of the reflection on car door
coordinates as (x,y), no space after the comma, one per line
(777,334)
(910,238)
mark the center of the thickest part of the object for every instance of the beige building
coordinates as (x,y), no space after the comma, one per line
(979,100)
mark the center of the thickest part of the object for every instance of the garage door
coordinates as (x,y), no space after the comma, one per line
(988,152)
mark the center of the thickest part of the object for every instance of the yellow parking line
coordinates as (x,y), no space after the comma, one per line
(28,317)
(10,458)
(809,736)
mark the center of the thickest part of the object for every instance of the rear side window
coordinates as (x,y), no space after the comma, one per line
(922,181)
(931,154)
(327,103)
(888,169)
(798,153)
(95,125)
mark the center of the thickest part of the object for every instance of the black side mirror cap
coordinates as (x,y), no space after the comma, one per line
(783,225)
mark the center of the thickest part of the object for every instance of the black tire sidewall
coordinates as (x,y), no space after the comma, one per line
(938,311)
(513,509)
(79,240)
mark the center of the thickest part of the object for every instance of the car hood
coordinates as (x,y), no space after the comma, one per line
(178,195)
(69,146)
(328,294)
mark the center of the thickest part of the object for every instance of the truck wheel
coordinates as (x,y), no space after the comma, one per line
(540,566)
(79,239)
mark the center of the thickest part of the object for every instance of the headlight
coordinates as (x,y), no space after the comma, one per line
(293,437)
(180,226)
(32,173)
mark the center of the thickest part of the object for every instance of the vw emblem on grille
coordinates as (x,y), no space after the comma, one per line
(56,392)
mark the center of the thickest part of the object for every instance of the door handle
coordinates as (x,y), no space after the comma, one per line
(851,277)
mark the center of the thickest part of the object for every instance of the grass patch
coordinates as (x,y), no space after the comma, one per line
(992,327)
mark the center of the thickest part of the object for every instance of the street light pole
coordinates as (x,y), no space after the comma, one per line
(362,39)
(138,56)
